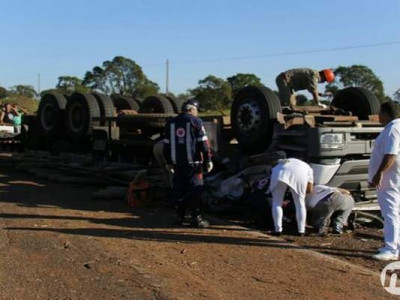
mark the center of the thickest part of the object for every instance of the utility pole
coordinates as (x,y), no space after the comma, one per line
(167,77)
(38,84)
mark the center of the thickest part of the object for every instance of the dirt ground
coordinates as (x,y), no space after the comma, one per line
(58,243)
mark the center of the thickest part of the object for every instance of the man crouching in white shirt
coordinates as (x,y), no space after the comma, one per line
(327,203)
(298,176)
(384,175)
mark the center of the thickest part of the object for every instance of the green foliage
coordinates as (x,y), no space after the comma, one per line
(28,103)
(357,76)
(42,93)
(396,96)
(213,93)
(70,84)
(241,80)
(121,76)
(184,96)
(24,90)
(3,93)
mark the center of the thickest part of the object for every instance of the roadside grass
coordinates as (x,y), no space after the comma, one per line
(28,103)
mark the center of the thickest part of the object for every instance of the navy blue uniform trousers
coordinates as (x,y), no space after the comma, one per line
(187,189)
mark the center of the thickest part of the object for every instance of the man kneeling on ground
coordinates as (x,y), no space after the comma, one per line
(326,203)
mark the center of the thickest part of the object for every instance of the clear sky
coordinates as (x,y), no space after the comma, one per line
(199,38)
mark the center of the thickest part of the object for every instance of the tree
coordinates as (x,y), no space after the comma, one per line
(357,76)
(121,76)
(3,93)
(28,103)
(71,84)
(184,96)
(396,96)
(241,80)
(44,92)
(213,93)
(24,90)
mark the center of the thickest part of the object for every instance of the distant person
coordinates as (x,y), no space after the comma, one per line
(8,114)
(302,79)
(327,204)
(17,120)
(384,175)
(297,176)
(187,152)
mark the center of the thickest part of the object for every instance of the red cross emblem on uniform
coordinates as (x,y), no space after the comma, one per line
(180,132)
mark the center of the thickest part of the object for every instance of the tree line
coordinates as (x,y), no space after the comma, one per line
(124,77)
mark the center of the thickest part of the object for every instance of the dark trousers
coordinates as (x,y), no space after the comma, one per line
(188,189)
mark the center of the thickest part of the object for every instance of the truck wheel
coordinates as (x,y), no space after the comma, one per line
(253,114)
(105,105)
(157,105)
(176,103)
(121,103)
(357,100)
(80,110)
(51,114)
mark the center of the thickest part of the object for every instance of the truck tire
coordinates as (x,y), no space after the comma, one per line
(253,114)
(357,100)
(144,121)
(156,105)
(176,103)
(80,110)
(51,114)
(121,103)
(105,105)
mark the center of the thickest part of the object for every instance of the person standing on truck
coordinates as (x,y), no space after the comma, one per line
(325,202)
(187,152)
(384,175)
(301,79)
(298,176)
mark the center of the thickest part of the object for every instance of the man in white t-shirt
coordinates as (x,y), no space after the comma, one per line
(298,176)
(325,202)
(384,175)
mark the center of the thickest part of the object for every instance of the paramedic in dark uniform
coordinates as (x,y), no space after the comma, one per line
(187,152)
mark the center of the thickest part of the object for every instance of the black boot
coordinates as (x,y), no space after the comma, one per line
(337,229)
(180,212)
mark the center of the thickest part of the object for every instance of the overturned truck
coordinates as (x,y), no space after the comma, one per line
(337,142)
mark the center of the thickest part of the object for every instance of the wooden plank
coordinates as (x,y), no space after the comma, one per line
(226,120)
(374,118)
(310,108)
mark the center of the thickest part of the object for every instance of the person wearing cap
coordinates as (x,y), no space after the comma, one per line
(301,79)
(297,176)
(187,152)
(384,175)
